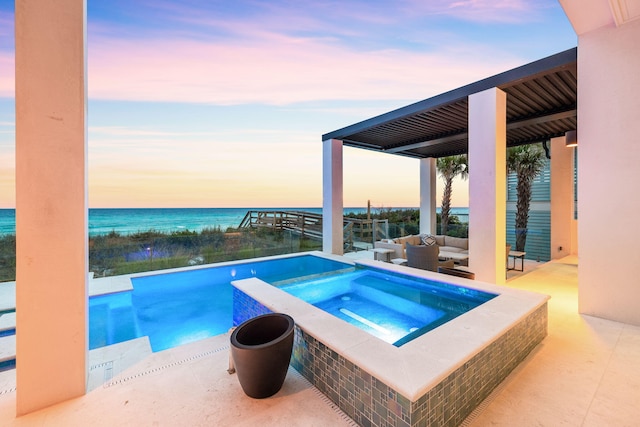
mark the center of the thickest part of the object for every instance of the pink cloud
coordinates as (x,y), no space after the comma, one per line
(489,11)
(254,60)
(7,76)
(284,16)
(274,70)
(210,58)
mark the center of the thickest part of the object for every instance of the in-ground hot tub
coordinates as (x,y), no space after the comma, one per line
(390,306)
(435,379)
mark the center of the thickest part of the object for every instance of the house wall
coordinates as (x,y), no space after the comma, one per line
(608,172)
(562,207)
(574,237)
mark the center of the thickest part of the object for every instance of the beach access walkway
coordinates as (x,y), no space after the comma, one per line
(358,233)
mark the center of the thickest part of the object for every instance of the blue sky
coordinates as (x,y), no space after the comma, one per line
(223,104)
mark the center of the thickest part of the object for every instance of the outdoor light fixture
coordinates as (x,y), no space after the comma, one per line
(571,139)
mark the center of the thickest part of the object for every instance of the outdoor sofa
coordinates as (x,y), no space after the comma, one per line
(446,244)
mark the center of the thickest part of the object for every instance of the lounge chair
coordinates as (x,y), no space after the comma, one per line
(425,257)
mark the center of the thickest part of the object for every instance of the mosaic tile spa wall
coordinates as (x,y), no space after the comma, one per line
(370,402)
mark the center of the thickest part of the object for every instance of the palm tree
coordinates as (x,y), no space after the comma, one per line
(449,168)
(526,161)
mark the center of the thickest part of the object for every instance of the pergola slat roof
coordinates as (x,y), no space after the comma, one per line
(541,104)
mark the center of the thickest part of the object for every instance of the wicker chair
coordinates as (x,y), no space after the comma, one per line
(425,257)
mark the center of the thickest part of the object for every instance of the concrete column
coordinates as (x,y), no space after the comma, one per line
(428,196)
(332,203)
(487,185)
(608,158)
(561,198)
(51,202)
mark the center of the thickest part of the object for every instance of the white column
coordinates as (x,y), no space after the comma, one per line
(332,203)
(561,198)
(487,185)
(428,196)
(51,203)
(608,174)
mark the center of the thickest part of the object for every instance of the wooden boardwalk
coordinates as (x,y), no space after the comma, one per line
(357,232)
(303,223)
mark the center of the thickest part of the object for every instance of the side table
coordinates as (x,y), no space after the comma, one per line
(382,254)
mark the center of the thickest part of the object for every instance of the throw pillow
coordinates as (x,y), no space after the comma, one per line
(427,239)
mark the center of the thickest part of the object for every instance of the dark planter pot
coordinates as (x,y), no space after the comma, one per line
(261,349)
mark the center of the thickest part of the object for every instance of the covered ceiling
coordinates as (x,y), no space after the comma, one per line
(588,15)
(541,104)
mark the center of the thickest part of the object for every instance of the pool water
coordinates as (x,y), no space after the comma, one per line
(177,308)
(392,307)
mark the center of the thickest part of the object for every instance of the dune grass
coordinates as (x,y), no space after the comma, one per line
(114,253)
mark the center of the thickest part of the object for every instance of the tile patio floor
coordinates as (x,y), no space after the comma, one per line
(585,373)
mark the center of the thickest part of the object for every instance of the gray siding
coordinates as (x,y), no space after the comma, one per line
(540,191)
(538,246)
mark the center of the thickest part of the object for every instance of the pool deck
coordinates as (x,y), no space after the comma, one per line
(585,373)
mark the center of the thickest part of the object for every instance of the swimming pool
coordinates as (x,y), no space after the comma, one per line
(395,308)
(436,378)
(184,306)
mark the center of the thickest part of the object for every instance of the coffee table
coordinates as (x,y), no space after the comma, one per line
(455,256)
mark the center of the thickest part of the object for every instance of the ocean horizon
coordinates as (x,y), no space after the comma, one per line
(133,220)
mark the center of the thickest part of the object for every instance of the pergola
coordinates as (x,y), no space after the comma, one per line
(541,104)
(536,102)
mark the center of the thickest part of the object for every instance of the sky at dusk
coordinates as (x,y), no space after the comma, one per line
(224,103)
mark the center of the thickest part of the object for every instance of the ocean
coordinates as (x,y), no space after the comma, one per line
(132,220)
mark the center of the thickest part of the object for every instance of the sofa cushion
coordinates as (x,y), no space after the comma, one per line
(439,239)
(427,239)
(399,241)
(452,249)
(459,242)
(412,240)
